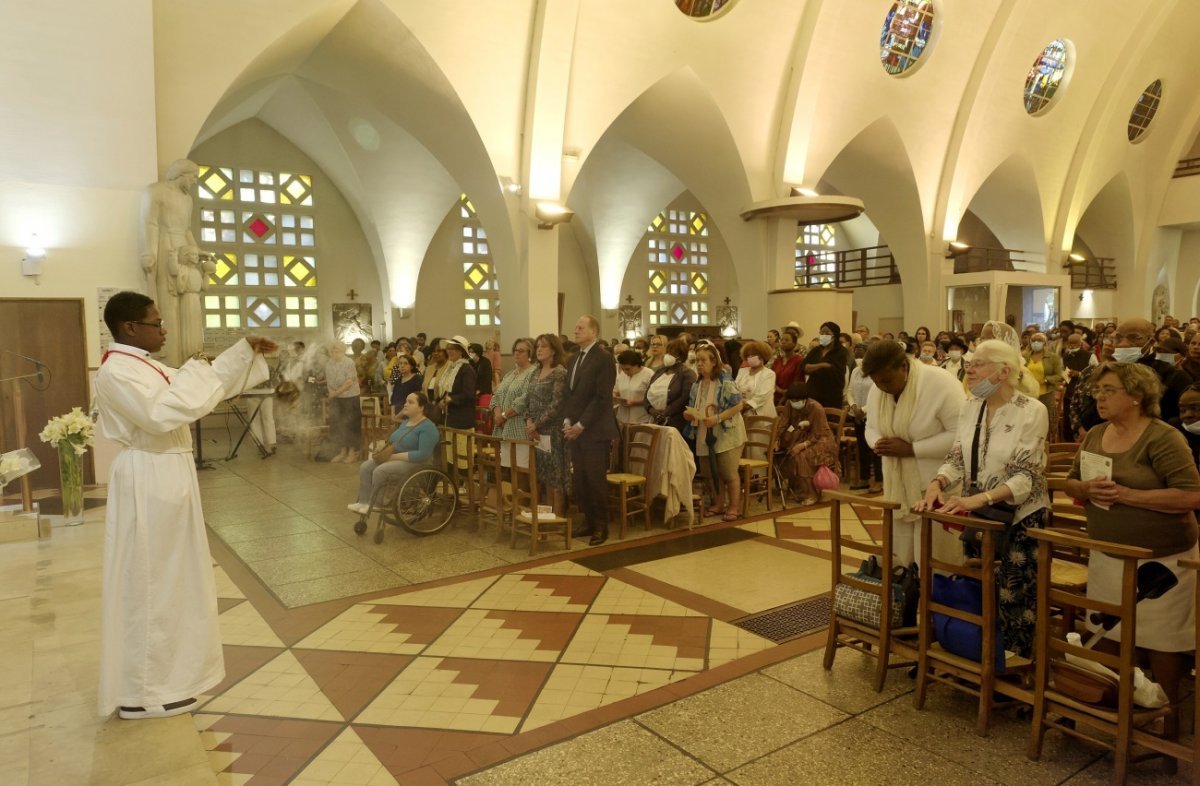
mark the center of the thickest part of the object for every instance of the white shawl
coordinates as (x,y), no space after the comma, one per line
(902,482)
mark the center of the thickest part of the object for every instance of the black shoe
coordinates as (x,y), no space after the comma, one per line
(598,538)
(581,532)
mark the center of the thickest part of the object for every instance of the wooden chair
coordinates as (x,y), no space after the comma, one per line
(526,519)
(1059,458)
(457,445)
(936,664)
(845,632)
(627,489)
(837,424)
(486,478)
(848,452)
(756,465)
(1126,724)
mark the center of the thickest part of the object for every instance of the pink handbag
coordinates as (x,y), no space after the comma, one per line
(825,479)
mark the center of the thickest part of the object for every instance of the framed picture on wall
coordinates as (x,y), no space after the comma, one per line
(351,321)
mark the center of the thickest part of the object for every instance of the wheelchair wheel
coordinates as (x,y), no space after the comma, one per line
(426,502)
(360,526)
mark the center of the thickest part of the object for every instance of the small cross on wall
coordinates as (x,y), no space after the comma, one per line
(352,295)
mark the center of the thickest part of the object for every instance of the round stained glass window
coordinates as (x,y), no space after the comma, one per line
(1046,76)
(1144,110)
(702,9)
(905,34)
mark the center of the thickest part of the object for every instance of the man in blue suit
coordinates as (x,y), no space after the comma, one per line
(590,426)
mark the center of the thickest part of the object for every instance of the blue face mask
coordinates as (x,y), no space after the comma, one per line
(985,388)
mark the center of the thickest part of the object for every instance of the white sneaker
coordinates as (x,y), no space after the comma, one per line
(359,508)
(352,457)
(166,711)
(339,458)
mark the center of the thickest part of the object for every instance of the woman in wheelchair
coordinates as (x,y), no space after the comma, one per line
(410,447)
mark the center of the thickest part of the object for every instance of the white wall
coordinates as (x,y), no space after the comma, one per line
(876,304)
(77,144)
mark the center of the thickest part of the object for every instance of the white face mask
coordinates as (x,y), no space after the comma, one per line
(668,360)
(473,356)
(825,339)
(1166,357)
(1192,428)
(858,362)
(1127,354)
(1036,346)
(691,356)
(926,356)
(955,354)
(754,361)
(798,404)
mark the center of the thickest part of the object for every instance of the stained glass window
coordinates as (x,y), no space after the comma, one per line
(1045,76)
(261,229)
(677,253)
(702,9)
(815,260)
(1144,110)
(481,296)
(905,35)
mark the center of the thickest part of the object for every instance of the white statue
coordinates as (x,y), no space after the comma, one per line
(166,231)
(190,269)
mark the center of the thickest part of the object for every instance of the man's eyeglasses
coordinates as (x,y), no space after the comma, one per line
(1132,338)
(157,324)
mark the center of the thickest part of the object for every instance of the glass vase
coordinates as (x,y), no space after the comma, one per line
(70,475)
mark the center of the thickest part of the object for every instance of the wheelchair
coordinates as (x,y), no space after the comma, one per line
(422,503)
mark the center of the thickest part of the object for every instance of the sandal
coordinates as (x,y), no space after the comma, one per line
(711,512)
(731,516)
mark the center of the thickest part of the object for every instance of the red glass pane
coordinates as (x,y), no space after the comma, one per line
(677,251)
(259,227)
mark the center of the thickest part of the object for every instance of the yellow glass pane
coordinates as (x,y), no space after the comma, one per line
(214,182)
(476,276)
(312,281)
(228,195)
(296,189)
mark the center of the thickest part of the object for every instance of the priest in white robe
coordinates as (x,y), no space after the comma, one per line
(160,642)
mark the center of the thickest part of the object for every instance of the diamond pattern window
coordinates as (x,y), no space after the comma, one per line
(905,35)
(261,227)
(481,297)
(815,259)
(1046,76)
(677,267)
(1144,110)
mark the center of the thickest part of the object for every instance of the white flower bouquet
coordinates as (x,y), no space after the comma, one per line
(75,428)
(16,463)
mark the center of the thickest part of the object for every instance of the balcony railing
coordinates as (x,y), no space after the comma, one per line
(980,259)
(1098,273)
(1188,166)
(856,267)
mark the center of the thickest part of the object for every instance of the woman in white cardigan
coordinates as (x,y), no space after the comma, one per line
(912,415)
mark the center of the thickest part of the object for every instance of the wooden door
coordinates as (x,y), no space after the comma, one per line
(51,331)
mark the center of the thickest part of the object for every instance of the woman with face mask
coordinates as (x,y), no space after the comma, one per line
(1189,420)
(756,382)
(824,368)
(806,443)
(955,363)
(999,455)
(667,393)
(1046,368)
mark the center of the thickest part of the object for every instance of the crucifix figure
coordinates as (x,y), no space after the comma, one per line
(352,295)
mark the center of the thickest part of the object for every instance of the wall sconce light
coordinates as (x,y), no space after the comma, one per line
(31,263)
(804,192)
(509,186)
(955,249)
(550,214)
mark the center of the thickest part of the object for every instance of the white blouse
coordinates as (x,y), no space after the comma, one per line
(1013,450)
(634,387)
(758,391)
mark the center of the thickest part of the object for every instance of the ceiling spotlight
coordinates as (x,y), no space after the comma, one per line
(956,249)
(1077,257)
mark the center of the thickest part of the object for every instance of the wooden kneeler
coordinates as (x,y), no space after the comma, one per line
(885,640)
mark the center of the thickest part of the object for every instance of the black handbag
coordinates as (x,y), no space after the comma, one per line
(1001,512)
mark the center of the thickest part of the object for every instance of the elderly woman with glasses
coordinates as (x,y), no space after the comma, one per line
(510,401)
(999,455)
(1148,501)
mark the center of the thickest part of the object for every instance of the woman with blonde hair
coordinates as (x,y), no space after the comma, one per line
(999,456)
(714,415)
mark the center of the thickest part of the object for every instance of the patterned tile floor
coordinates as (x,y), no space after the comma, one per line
(611,665)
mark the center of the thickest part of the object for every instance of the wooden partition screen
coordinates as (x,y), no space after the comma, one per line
(51,331)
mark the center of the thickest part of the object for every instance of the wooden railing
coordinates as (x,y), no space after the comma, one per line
(980,259)
(1098,273)
(855,267)
(1188,166)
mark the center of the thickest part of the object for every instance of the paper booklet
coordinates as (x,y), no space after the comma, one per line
(1093,466)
